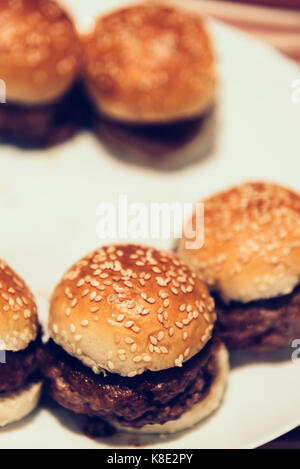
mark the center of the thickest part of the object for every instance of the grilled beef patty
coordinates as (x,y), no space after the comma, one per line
(260,325)
(151,398)
(19,368)
(41,126)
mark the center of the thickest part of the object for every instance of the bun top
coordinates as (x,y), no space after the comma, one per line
(18,312)
(150,63)
(252,242)
(131,308)
(39,50)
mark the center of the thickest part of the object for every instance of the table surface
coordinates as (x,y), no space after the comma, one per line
(289,441)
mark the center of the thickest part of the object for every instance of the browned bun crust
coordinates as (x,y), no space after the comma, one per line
(150,63)
(18,312)
(39,50)
(131,308)
(252,242)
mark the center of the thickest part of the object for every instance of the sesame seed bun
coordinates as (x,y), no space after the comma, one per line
(150,63)
(39,50)
(131,308)
(252,242)
(18,312)
(16,405)
(199,411)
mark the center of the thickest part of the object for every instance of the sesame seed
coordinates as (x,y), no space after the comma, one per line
(151,348)
(147,358)
(129,324)
(145,312)
(179,360)
(206,317)
(153,340)
(161,282)
(156,270)
(133,348)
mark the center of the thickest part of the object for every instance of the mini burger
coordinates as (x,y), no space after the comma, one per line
(20,387)
(150,71)
(251,262)
(39,52)
(132,342)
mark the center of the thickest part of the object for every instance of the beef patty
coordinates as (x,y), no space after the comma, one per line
(153,397)
(19,368)
(41,126)
(161,145)
(262,325)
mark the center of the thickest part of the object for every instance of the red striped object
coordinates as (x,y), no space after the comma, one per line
(274,21)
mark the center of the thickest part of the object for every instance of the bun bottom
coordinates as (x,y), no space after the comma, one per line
(199,411)
(16,405)
(163,146)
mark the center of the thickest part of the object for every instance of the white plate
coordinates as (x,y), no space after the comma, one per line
(48,206)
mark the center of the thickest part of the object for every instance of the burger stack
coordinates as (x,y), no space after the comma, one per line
(143,79)
(133,343)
